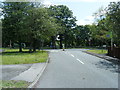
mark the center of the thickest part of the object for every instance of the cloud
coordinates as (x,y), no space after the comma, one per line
(87,20)
(1,9)
(82,0)
(47,3)
(60,0)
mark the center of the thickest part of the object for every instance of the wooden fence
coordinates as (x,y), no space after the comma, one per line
(114,52)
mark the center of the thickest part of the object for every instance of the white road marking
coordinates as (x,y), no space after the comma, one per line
(54,51)
(80,61)
(72,55)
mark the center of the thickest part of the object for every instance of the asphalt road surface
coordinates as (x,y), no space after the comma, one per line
(11,71)
(76,69)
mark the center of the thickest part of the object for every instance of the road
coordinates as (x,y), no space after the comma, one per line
(75,69)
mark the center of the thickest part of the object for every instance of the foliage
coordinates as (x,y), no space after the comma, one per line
(81,34)
(107,26)
(13,25)
(27,22)
(66,19)
(113,12)
(38,26)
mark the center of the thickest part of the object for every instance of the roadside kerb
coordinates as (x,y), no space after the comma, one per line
(108,58)
(40,74)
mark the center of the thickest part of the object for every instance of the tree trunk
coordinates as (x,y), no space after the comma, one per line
(34,45)
(60,44)
(20,47)
(34,49)
(30,48)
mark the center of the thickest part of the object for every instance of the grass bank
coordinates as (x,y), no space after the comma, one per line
(13,56)
(100,51)
(14,84)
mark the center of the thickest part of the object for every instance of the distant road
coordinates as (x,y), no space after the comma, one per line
(74,69)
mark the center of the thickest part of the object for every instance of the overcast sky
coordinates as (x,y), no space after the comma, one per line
(82,9)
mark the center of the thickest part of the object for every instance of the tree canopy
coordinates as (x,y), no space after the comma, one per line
(37,26)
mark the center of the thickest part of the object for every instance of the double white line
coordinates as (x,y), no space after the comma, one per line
(77,59)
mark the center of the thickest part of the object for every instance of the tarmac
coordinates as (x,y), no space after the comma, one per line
(106,57)
(30,72)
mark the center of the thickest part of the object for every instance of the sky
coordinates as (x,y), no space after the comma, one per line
(82,9)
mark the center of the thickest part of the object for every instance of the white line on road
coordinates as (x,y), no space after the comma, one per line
(72,55)
(77,58)
(80,61)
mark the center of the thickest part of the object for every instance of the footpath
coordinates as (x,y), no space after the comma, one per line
(29,72)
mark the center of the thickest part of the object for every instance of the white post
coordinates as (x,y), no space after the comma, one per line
(63,47)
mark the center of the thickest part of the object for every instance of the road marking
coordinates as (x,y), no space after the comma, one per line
(72,55)
(77,58)
(54,51)
(80,61)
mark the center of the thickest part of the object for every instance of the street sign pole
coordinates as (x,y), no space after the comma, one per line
(111,40)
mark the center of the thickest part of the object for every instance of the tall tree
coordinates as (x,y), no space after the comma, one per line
(65,18)
(40,27)
(81,35)
(13,25)
(113,13)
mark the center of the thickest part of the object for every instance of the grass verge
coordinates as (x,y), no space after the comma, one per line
(12,56)
(98,51)
(14,84)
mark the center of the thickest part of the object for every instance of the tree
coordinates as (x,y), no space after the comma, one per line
(113,14)
(40,27)
(27,22)
(81,34)
(65,18)
(108,24)
(13,25)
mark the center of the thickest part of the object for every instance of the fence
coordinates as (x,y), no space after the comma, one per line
(114,52)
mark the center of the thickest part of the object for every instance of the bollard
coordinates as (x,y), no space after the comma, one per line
(63,47)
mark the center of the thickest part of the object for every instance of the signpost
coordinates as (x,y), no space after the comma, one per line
(111,36)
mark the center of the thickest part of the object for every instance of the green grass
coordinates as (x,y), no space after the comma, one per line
(98,51)
(12,56)
(83,48)
(14,84)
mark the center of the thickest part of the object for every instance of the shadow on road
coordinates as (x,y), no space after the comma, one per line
(113,67)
